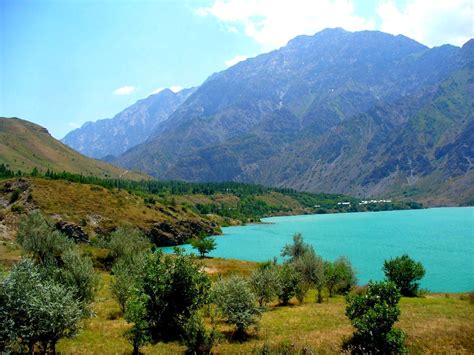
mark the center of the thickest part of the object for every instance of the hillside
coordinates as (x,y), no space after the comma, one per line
(111,137)
(25,145)
(363,113)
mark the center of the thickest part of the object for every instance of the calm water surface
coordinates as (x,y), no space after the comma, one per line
(441,238)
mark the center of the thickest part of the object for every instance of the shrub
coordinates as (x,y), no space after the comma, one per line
(405,273)
(311,268)
(35,312)
(373,316)
(197,338)
(38,237)
(289,282)
(236,303)
(340,276)
(126,273)
(126,241)
(264,283)
(204,244)
(14,195)
(139,334)
(172,288)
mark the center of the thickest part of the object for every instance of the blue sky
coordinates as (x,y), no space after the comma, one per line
(66,62)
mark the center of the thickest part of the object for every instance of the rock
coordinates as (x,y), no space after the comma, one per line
(168,234)
(73,231)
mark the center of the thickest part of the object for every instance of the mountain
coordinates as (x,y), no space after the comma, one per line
(363,113)
(25,145)
(108,138)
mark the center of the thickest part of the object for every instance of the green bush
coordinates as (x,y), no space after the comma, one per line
(405,273)
(197,338)
(172,288)
(264,283)
(373,315)
(289,282)
(340,276)
(311,268)
(297,249)
(236,303)
(126,241)
(35,311)
(14,196)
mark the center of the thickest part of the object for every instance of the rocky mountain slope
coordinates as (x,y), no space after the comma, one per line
(111,137)
(363,113)
(25,146)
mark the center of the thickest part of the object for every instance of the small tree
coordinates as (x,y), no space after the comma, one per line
(311,268)
(172,288)
(297,249)
(35,311)
(264,283)
(204,244)
(373,315)
(197,338)
(340,276)
(404,272)
(289,282)
(37,236)
(125,241)
(126,273)
(237,303)
(139,334)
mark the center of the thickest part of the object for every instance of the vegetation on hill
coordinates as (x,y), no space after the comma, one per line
(25,146)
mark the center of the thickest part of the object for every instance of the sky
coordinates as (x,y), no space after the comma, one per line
(66,62)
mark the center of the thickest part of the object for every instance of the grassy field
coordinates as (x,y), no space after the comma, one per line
(437,323)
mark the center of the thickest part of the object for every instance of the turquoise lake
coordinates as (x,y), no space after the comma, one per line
(441,238)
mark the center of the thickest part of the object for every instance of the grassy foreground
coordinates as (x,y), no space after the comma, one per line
(437,323)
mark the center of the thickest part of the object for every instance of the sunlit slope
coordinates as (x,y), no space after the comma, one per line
(25,145)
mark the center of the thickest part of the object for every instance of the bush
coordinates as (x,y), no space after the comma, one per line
(38,237)
(236,303)
(14,196)
(172,288)
(204,244)
(297,249)
(197,338)
(373,315)
(126,273)
(35,312)
(126,241)
(405,273)
(264,283)
(311,268)
(340,276)
(289,282)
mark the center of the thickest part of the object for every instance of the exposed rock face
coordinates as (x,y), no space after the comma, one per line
(166,234)
(73,231)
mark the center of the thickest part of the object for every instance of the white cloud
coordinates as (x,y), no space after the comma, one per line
(433,22)
(125,90)
(74,125)
(272,23)
(156,91)
(235,60)
(176,88)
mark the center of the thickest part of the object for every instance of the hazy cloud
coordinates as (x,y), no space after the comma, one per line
(235,60)
(74,125)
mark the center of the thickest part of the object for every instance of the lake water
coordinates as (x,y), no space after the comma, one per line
(441,238)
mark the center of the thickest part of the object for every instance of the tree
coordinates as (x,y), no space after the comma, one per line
(126,241)
(373,314)
(340,276)
(295,250)
(172,288)
(237,303)
(126,273)
(35,311)
(405,273)
(311,268)
(264,283)
(197,338)
(37,236)
(204,244)
(289,282)
(139,334)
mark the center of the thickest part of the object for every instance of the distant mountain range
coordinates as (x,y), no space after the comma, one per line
(25,146)
(363,113)
(111,137)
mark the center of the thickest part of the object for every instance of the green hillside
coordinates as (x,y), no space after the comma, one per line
(25,146)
